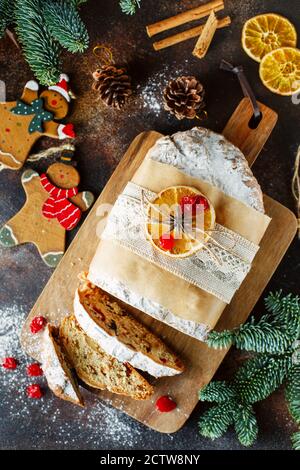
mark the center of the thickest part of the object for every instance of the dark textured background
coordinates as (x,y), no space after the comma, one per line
(103,136)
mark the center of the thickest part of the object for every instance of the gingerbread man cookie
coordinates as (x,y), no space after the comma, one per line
(24,121)
(53,206)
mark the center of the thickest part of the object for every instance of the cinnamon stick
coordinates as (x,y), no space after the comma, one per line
(185,17)
(206,36)
(188,34)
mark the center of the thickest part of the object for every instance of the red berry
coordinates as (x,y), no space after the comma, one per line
(34,370)
(193,203)
(38,324)
(34,391)
(167,242)
(165,404)
(10,363)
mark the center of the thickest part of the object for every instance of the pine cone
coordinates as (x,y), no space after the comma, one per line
(184,97)
(113,84)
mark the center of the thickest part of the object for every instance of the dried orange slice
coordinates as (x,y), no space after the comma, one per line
(265,33)
(179,221)
(280,71)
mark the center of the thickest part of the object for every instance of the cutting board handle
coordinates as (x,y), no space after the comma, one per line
(248,139)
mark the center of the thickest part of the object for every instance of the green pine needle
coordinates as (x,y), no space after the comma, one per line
(217,391)
(130,6)
(40,49)
(245,425)
(65,25)
(276,340)
(6,15)
(215,421)
(220,340)
(296,440)
(293,392)
(260,376)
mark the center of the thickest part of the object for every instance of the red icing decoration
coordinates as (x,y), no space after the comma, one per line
(7,130)
(165,404)
(68,130)
(34,370)
(10,363)
(167,242)
(37,324)
(34,391)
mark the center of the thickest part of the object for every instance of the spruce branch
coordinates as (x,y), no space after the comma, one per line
(6,15)
(40,49)
(245,425)
(215,421)
(260,377)
(296,440)
(276,340)
(130,6)
(217,391)
(220,339)
(292,392)
(65,25)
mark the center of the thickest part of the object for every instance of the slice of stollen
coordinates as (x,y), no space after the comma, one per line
(57,368)
(120,334)
(98,369)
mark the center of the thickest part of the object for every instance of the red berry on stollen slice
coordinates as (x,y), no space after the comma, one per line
(165,404)
(167,242)
(37,324)
(10,363)
(34,391)
(34,370)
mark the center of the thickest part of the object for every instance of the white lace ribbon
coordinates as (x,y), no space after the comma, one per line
(126,226)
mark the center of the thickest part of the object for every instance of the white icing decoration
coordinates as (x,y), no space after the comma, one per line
(32,85)
(115,348)
(7,154)
(28,176)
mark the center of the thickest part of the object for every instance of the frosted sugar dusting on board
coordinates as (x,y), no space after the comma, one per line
(203,154)
(49,421)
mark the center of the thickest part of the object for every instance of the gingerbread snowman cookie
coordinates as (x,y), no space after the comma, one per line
(24,121)
(53,206)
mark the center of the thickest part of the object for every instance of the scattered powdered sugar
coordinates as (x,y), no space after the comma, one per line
(151,92)
(50,422)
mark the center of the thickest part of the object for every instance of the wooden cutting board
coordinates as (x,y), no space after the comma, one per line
(201,362)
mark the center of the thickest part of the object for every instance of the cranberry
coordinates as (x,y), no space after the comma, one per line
(34,391)
(34,370)
(193,204)
(165,404)
(10,363)
(167,242)
(37,324)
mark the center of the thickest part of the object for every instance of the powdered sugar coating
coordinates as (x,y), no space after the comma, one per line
(203,154)
(56,377)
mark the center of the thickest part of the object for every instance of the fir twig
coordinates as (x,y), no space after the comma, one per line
(65,25)
(276,339)
(40,49)
(130,6)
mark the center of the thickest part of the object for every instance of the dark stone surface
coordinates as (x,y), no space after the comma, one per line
(103,136)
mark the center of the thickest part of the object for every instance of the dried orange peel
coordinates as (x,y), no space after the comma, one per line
(265,33)
(280,71)
(172,234)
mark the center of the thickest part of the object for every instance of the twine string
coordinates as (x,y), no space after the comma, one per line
(296,187)
(104,54)
(174,222)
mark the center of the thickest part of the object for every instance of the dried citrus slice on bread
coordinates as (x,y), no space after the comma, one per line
(179,221)
(280,71)
(265,33)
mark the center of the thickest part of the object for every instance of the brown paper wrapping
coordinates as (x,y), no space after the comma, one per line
(154,283)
